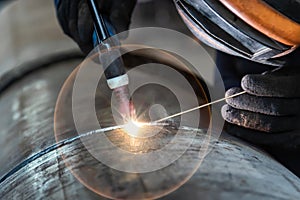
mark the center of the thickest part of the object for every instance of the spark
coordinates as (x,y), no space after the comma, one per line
(133,127)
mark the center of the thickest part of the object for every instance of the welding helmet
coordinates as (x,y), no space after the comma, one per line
(259,30)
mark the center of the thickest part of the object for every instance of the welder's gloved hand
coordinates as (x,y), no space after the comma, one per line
(76,21)
(269,113)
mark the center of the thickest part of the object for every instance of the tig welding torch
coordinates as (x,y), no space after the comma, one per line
(110,56)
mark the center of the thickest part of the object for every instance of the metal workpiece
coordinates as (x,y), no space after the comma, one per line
(34,165)
(29,112)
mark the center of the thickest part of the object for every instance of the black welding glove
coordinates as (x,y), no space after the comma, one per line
(76,21)
(269,113)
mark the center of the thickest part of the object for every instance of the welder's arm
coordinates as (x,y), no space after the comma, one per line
(76,21)
(269,114)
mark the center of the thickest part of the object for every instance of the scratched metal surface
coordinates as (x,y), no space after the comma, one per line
(27,107)
(31,165)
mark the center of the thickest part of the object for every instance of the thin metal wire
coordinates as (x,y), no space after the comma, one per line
(199,107)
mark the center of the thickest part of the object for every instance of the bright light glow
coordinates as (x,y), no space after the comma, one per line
(133,127)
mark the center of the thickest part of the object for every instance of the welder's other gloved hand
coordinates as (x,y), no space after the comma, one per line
(76,21)
(269,113)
